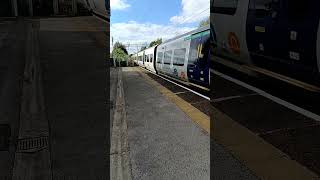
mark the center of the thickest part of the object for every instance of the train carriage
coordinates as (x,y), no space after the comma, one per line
(134,58)
(186,58)
(141,58)
(149,55)
(281,37)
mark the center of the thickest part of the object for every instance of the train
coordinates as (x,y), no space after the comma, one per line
(185,58)
(100,8)
(279,38)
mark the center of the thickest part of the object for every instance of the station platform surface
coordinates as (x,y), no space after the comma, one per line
(12,45)
(164,141)
(274,138)
(73,55)
(53,95)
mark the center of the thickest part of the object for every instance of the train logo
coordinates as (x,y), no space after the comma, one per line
(234,43)
(199,52)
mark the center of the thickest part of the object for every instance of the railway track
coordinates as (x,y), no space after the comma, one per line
(195,90)
(196,97)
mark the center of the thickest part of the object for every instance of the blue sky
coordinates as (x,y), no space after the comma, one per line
(137,22)
(143,11)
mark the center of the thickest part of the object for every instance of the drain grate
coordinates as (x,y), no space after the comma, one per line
(5,133)
(32,144)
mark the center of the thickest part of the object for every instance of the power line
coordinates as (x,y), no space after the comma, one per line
(188,18)
(195,15)
(137,45)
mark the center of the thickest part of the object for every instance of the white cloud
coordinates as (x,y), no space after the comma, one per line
(192,11)
(119,4)
(139,33)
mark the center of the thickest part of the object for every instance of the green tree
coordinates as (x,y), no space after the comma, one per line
(119,53)
(121,46)
(155,42)
(143,48)
(204,22)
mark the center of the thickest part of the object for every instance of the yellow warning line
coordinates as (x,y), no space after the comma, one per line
(253,70)
(265,160)
(196,115)
(289,80)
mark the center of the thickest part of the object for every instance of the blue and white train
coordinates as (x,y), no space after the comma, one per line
(185,58)
(276,37)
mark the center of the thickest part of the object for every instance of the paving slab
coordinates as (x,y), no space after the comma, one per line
(164,143)
(75,81)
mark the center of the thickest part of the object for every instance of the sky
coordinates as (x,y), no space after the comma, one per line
(138,22)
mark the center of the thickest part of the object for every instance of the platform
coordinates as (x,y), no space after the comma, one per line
(163,140)
(274,138)
(53,96)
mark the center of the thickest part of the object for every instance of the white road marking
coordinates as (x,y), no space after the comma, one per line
(232,97)
(194,92)
(271,97)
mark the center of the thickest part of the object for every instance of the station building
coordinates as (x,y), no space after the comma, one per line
(42,7)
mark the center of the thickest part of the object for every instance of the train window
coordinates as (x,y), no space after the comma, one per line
(160,55)
(167,57)
(262,8)
(225,6)
(151,58)
(146,59)
(179,56)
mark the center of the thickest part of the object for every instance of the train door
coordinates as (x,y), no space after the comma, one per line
(166,66)
(281,35)
(199,59)
(266,29)
(303,18)
(159,60)
(154,63)
(148,61)
(143,59)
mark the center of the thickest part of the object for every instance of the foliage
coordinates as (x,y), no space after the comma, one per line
(204,22)
(119,54)
(121,46)
(155,42)
(143,48)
